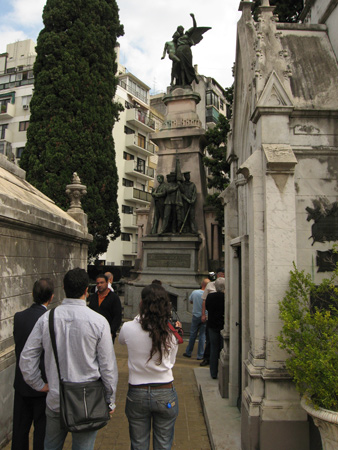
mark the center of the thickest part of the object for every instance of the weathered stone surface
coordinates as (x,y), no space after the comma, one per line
(37,239)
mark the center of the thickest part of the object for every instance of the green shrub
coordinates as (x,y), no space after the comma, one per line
(310,336)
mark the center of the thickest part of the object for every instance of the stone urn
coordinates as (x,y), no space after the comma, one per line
(326,421)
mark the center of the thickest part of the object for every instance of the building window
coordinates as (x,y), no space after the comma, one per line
(3,129)
(141,165)
(127,209)
(126,237)
(128,156)
(128,130)
(19,151)
(23,126)
(26,101)
(212,99)
(221,104)
(3,104)
(127,183)
(141,141)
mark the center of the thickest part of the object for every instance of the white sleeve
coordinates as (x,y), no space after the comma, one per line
(107,363)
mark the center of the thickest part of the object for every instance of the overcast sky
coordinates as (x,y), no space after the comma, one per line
(148,24)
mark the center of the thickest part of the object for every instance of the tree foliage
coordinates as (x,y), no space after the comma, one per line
(216,161)
(72,112)
(310,336)
(286,10)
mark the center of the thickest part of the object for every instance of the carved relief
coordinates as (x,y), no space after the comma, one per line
(325,216)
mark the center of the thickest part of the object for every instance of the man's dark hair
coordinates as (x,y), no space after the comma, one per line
(43,289)
(157,282)
(75,282)
(101,275)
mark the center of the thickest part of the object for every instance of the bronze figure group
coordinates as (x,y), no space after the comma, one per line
(179,51)
(174,203)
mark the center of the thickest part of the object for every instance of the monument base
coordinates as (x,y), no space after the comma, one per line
(172,259)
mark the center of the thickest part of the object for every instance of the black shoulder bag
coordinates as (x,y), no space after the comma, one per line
(83,406)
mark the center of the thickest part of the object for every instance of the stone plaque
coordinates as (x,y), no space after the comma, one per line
(176,260)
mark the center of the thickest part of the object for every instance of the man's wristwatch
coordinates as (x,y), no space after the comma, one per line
(111,406)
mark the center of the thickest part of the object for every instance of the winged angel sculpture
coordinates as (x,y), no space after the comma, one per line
(179,51)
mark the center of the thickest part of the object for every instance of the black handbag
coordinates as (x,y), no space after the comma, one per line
(83,406)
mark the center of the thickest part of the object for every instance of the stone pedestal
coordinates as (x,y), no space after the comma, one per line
(174,261)
(180,261)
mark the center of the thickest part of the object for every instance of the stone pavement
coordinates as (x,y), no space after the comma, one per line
(190,430)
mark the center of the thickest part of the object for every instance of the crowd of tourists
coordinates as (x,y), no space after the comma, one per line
(66,372)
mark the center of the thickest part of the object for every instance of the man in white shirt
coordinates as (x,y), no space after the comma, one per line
(86,353)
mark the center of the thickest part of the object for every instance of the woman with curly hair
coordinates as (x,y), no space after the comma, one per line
(152,346)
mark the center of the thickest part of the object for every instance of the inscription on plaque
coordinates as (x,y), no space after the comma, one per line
(178,260)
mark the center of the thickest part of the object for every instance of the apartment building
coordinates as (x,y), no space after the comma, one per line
(135,153)
(16,89)
(136,159)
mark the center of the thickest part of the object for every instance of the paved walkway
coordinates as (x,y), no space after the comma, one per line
(190,430)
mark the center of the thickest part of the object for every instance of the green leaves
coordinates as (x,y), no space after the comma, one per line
(72,113)
(217,163)
(286,10)
(310,337)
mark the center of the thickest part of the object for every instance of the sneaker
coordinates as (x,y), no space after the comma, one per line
(204,363)
(186,355)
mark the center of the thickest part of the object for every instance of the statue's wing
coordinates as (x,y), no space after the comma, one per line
(196,34)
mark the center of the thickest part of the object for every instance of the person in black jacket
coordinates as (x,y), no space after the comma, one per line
(214,304)
(106,303)
(29,405)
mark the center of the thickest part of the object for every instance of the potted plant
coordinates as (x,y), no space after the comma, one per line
(310,336)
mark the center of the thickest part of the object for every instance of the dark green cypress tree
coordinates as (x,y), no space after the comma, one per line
(73,113)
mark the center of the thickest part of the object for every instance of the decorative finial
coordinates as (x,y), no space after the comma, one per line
(75,192)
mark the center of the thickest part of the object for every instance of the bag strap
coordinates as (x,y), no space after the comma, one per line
(178,336)
(52,337)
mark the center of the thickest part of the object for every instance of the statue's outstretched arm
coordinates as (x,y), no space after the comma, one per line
(164,50)
(193,20)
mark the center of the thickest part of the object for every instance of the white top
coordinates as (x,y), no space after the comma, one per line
(210,287)
(142,371)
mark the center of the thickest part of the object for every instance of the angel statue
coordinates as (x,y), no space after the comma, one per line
(179,51)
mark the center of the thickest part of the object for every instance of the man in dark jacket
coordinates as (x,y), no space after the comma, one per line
(107,303)
(29,405)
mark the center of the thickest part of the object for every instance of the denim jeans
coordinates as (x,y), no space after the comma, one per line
(158,407)
(196,325)
(216,342)
(55,436)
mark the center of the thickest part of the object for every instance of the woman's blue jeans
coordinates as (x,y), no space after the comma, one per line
(156,407)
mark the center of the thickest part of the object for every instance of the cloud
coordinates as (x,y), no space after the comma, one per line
(148,25)
(26,12)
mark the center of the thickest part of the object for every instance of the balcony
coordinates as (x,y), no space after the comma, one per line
(211,115)
(128,221)
(146,173)
(136,195)
(7,111)
(141,120)
(6,149)
(139,145)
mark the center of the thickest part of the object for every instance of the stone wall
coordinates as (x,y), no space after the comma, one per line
(37,239)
